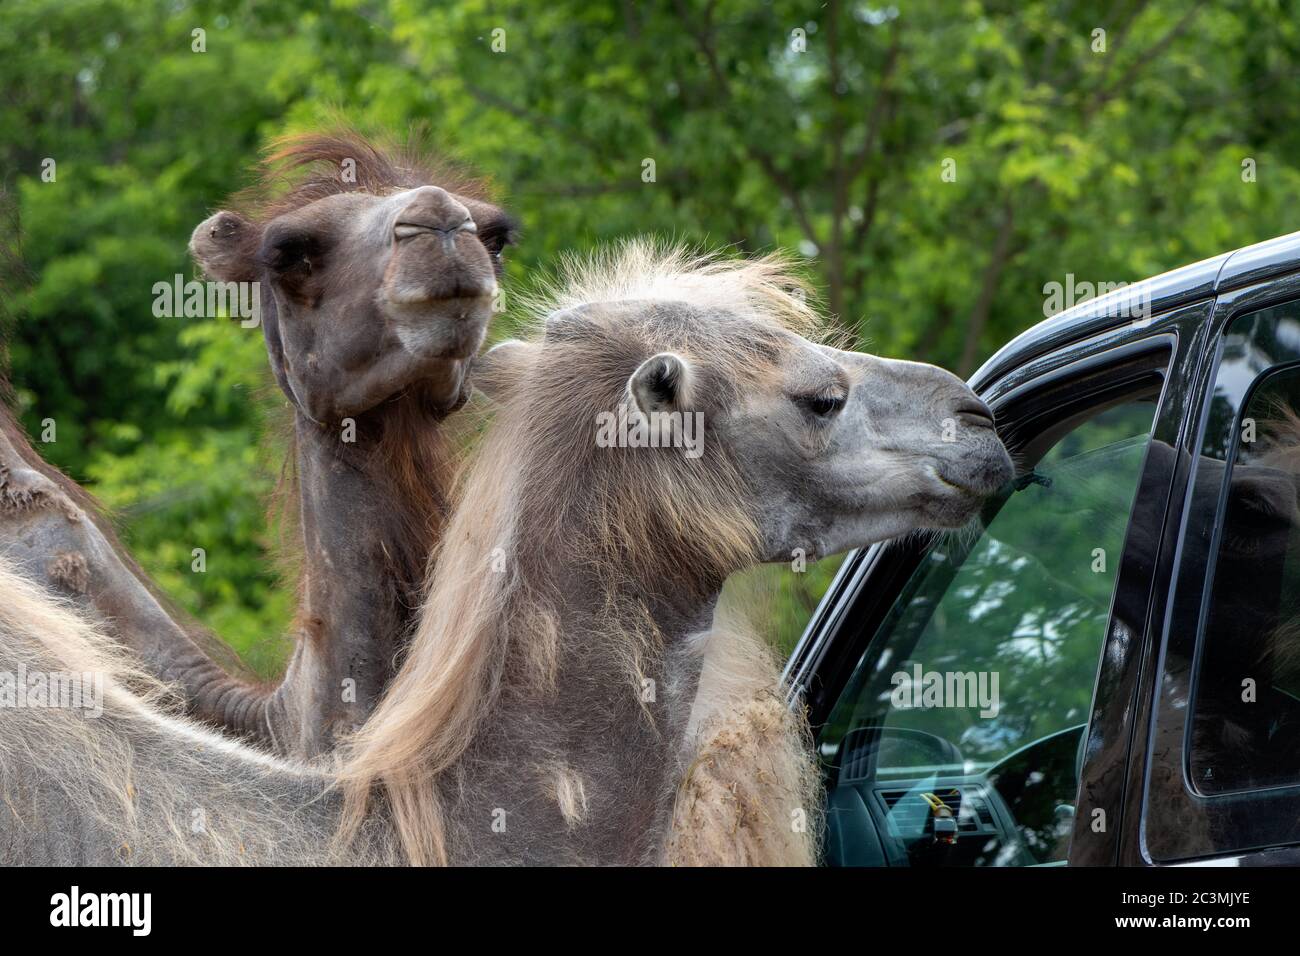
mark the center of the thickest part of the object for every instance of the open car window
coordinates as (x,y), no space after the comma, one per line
(957,739)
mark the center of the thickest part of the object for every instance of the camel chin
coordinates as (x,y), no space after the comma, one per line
(450,329)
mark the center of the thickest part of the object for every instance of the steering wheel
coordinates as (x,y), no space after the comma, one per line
(856,758)
(1038,785)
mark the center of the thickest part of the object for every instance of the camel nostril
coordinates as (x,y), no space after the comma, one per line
(405,229)
(976,413)
(431,209)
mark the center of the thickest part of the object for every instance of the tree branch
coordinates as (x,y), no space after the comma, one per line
(703,37)
(979,315)
(1140,62)
(495,101)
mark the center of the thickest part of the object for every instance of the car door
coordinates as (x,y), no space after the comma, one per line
(1217,775)
(972,694)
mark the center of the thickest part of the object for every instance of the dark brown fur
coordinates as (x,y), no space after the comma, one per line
(358,518)
(299,169)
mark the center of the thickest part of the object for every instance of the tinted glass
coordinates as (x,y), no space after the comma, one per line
(1246,726)
(975,692)
(1222,773)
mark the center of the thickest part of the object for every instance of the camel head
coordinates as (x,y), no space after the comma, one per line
(843,449)
(376,273)
(822,449)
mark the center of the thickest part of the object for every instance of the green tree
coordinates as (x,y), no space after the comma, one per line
(936,164)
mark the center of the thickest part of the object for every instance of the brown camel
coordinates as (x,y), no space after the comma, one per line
(376,289)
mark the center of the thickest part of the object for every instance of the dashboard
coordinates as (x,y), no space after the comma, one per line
(1017,812)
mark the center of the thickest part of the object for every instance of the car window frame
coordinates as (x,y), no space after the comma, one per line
(1186,585)
(1027,400)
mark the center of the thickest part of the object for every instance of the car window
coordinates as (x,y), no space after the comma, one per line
(1223,752)
(1245,730)
(958,737)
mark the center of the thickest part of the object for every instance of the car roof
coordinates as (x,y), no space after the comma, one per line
(1200,280)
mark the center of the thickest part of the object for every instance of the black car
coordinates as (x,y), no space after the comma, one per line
(1107,670)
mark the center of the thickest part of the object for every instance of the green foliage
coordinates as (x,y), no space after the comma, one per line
(182,488)
(1109,165)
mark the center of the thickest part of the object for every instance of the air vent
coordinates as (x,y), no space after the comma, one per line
(908,809)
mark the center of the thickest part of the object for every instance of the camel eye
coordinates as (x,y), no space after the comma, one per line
(822,405)
(496,234)
(291,253)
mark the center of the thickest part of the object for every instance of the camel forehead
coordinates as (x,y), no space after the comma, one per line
(731,350)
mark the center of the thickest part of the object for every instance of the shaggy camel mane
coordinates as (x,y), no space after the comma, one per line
(767,289)
(300,168)
(153,787)
(540,494)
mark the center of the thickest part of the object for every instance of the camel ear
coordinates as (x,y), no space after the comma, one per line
(662,383)
(223,245)
(497,369)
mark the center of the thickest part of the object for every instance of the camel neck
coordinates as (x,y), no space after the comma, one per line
(603,743)
(354,608)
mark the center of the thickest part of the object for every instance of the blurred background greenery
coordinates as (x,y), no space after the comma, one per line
(937,163)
